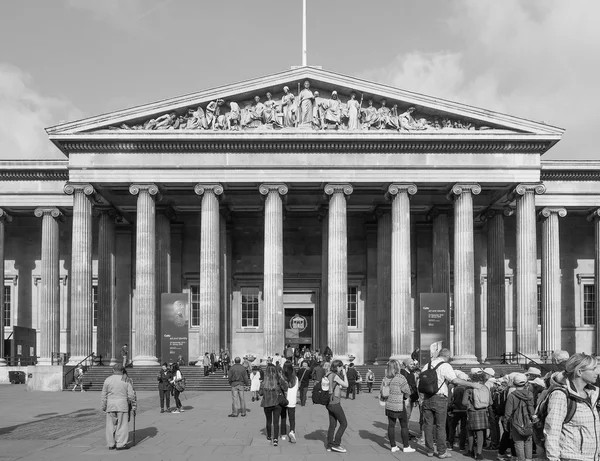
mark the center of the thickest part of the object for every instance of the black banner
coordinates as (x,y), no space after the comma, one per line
(175,323)
(434,324)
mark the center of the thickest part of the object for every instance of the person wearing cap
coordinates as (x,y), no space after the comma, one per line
(117,398)
(514,413)
(459,413)
(490,383)
(406,371)
(370,377)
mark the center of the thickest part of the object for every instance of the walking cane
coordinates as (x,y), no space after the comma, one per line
(134,428)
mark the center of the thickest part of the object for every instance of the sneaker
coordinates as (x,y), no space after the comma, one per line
(408,450)
(181,410)
(430,454)
(395,449)
(445,455)
(175,411)
(275,442)
(328,448)
(162,410)
(338,449)
(283,437)
(292,436)
(479,457)
(268,438)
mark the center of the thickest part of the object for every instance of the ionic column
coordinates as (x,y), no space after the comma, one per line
(107,266)
(164,216)
(145,275)
(209,268)
(595,219)
(4,218)
(384,285)
(527,268)
(551,286)
(464,273)
(273,316)
(496,290)
(440,256)
(81,272)
(337,270)
(401,340)
(50,280)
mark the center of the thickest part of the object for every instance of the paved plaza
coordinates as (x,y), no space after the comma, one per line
(70,426)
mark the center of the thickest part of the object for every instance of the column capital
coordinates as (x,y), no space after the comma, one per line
(550,210)
(4,216)
(72,187)
(344,188)
(462,188)
(398,187)
(215,188)
(265,188)
(594,215)
(490,213)
(152,189)
(47,211)
(537,188)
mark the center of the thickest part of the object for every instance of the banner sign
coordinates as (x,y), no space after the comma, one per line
(298,326)
(434,325)
(175,323)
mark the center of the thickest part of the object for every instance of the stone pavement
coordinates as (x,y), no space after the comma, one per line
(67,426)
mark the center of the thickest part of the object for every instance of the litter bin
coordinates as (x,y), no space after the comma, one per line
(16,377)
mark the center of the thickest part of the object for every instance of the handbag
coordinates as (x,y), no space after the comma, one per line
(282,398)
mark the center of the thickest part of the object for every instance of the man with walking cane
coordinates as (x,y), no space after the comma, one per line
(118,397)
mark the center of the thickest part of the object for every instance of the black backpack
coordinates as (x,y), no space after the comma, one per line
(428,381)
(320,396)
(499,402)
(542,412)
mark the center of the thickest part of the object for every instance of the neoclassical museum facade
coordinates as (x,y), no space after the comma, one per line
(302,195)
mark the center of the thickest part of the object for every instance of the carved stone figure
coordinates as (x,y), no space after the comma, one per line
(255,114)
(383,114)
(234,116)
(306,100)
(408,123)
(270,113)
(318,112)
(353,108)
(196,119)
(370,118)
(333,111)
(288,109)
(213,111)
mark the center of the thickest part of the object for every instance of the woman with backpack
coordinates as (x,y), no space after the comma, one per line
(578,437)
(398,391)
(336,381)
(477,400)
(273,389)
(518,413)
(290,409)
(176,382)
(255,383)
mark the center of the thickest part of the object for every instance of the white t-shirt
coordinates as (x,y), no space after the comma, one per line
(445,374)
(292,394)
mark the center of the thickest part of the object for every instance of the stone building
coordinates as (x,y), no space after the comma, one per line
(303,218)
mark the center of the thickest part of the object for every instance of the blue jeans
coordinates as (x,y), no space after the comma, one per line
(435,410)
(238,400)
(336,415)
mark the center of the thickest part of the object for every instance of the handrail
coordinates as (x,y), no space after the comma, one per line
(19,360)
(541,365)
(72,370)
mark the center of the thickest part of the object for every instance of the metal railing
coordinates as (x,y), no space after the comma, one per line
(71,371)
(19,360)
(528,360)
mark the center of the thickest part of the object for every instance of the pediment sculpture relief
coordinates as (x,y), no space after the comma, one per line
(305,111)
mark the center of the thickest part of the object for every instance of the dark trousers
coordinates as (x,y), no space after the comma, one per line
(272,415)
(458,417)
(176,395)
(285,412)
(435,410)
(164,394)
(336,415)
(303,392)
(351,389)
(206,371)
(370,386)
(403,428)
(506,442)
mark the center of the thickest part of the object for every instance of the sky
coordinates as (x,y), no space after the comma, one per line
(62,60)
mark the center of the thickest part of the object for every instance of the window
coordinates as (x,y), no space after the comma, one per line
(589,304)
(539,304)
(250,307)
(6,299)
(95,304)
(353,306)
(195,304)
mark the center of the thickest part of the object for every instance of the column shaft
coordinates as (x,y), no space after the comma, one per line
(49,316)
(105,333)
(4,217)
(595,218)
(337,270)
(163,265)
(441,258)
(144,351)
(496,290)
(273,323)
(384,286)
(464,273)
(322,316)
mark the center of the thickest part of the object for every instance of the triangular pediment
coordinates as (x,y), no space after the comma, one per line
(279,102)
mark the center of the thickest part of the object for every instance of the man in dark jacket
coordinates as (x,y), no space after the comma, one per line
(164,388)
(318,373)
(304,379)
(352,376)
(408,372)
(238,380)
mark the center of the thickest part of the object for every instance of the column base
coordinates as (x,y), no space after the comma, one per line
(44,362)
(464,360)
(399,357)
(145,361)
(113,361)
(2,362)
(494,360)
(75,359)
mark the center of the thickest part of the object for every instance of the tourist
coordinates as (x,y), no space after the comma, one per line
(477,418)
(559,359)
(328,353)
(519,410)
(578,438)
(304,379)
(288,352)
(407,371)
(458,411)
(238,380)
(352,376)
(395,406)
(289,410)
(213,360)
(206,363)
(370,377)
(270,389)
(318,372)
(164,387)
(296,356)
(435,406)
(226,361)
(176,379)
(255,383)
(336,380)
(78,378)
(124,354)
(118,397)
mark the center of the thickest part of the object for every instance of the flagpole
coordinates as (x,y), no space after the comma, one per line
(304,33)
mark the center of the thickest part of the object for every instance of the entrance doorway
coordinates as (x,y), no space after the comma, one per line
(299,308)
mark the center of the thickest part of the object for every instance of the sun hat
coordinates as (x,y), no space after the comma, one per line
(534,371)
(519,379)
(489,371)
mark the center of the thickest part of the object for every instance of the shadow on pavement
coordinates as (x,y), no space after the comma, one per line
(319,434)
(380,440)
(143,434)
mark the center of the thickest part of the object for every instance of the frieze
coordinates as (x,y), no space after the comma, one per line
(308,109)
(34,175)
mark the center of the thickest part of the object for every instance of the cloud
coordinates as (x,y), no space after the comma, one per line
(24,113)
(532,60)
(125,14)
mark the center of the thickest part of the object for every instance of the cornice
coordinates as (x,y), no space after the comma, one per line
(578,175)
(34,175)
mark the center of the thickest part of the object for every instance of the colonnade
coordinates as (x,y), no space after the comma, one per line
(393,260)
